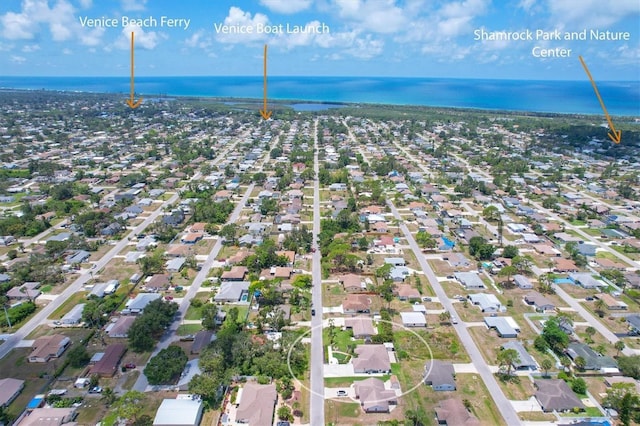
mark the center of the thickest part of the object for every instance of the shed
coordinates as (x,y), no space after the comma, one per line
(413,319)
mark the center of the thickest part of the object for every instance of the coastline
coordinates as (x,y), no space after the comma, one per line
(526,96)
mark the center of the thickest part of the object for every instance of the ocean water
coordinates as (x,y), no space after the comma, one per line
(620,97)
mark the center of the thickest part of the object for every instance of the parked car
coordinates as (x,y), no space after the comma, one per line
(168,297)
(342,392)
(313,312)
(130,365)
(426,299)
(454,320)
(95,389)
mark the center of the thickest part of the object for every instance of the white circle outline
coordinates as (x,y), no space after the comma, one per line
(420,383)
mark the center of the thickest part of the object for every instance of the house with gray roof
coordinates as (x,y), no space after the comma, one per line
(78,257)
(503,326)
(469,280)
(537,300)
(525,361)
(74,316)
(593,360)
(487,302)
(137,305)
(175,264)
(585,279)
(634,323)
(232,291)
(522,281)
(556,395)
(440,375)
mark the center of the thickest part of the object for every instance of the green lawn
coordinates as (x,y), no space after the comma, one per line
(186,329)
(75,299)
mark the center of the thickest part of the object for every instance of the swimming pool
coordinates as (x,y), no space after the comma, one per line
(563,281)
(448,242)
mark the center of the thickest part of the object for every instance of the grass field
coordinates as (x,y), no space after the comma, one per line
(73,300)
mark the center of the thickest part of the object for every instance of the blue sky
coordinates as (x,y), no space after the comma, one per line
(405,38)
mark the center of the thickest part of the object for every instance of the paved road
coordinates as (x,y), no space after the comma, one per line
(316,411)
(41,316)
(142,383)
(504,406)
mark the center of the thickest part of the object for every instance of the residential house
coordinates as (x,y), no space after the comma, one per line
(634,324)
(232,292)
(556,395)
(108,364)
(362,327)
(256,404)
(413,319)
(525,361)
(137,305)
(74,316)
(487,302)
(201,340)
(111,229)
(440,375)
(352,283)
(356,304)
(237,273)
(611,302)
(395,261)
(469,280)
(77,257)
(585,280)
(593,360)
(452,412)
(119,328)
(506,327)
(176,264)
(522,282)
(179,412)
(48,417)
(371,359)
(564,265)
(9,390)
(540,302)
(46,347)
(158,282)
(373,396)
(406,292)
(27,291)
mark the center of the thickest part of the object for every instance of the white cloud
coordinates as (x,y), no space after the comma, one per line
(142,39)
(455,18)
(238,17)
(591,13)
(18,59)
(286,6)
(29,48)
(366,48)
(67,51)
(60,18)
(526,4)
(86,4)
(378,16)
(17,26)
(199,39)
(133,5)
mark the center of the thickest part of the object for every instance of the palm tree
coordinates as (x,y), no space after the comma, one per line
(590,331)
(580,362)
(600,306)
(619,345)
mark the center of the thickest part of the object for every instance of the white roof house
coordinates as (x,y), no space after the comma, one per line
(487,302)
(179,412)
(413,319)
(469,279)
(137,305)
(74,316)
